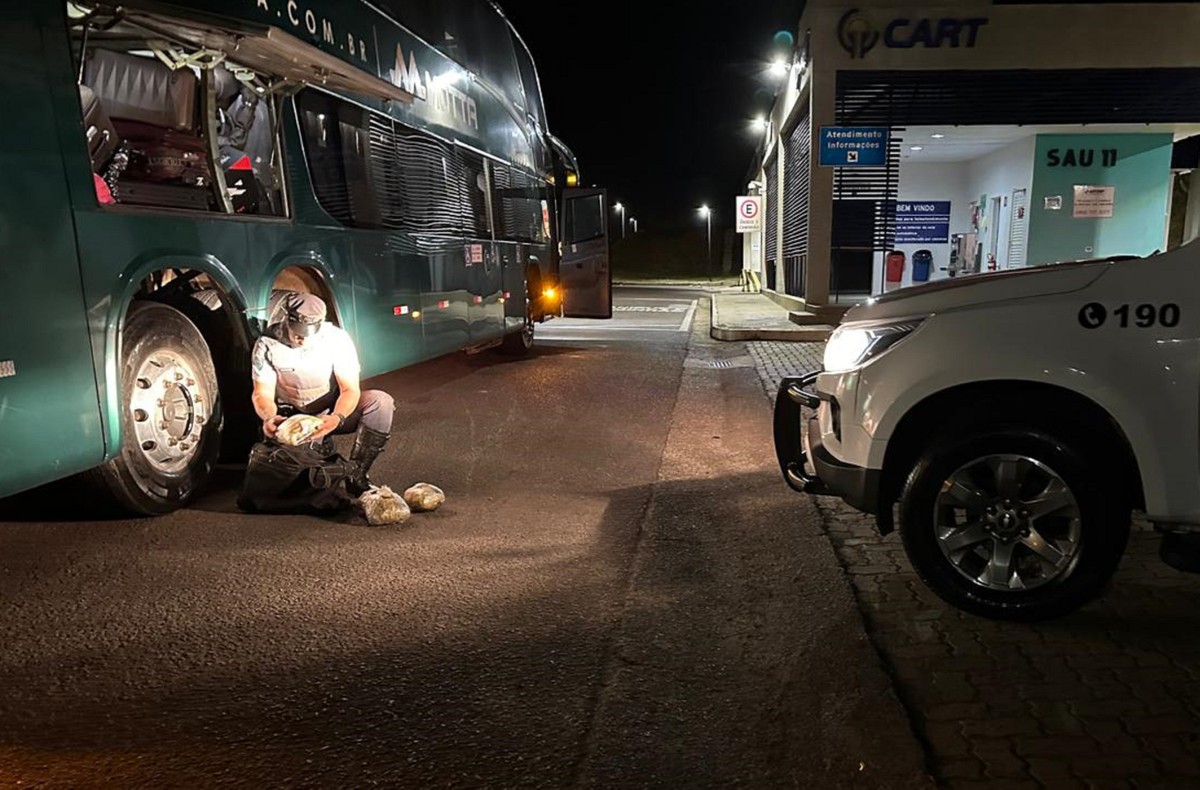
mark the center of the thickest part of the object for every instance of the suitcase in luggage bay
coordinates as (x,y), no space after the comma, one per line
(163,155)
(135,88)
(98,129)
(148,193)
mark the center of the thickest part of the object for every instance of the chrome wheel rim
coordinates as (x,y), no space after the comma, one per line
(169,407)
(1008,523)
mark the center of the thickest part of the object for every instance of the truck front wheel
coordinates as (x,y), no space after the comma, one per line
(170,413)
(1013,523)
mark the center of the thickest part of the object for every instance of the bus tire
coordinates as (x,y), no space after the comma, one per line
(171,416)
(518,344)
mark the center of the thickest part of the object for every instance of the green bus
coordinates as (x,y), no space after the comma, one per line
(172,168)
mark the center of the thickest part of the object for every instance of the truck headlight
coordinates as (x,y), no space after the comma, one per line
(852,346)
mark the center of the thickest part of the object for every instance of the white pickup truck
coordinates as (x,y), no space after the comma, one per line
(1011,422)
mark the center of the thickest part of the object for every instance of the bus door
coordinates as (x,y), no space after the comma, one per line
(485,290)
(584,272)
(485,278)
(49,407)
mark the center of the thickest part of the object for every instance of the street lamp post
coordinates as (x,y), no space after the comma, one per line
(706,212)
(621,208)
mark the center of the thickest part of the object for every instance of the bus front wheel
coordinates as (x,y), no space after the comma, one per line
(170,413)
(519,343)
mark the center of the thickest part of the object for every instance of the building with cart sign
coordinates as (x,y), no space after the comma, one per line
(916,142)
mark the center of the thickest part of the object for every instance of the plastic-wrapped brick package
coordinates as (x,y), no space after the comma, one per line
(297,430)
(424,497)
(382,506)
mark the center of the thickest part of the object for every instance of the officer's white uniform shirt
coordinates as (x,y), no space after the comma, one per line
(303,375)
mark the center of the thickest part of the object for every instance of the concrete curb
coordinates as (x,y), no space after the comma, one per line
(800,334)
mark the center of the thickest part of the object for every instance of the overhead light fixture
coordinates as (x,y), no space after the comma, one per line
(917,148)
(938,136)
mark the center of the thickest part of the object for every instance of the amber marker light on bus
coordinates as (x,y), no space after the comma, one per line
(572,180)
(416,314)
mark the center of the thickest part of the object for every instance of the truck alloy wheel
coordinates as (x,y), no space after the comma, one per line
(1012,523)
(1007,522)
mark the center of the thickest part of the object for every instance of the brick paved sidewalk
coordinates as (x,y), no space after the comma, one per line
(1108,697)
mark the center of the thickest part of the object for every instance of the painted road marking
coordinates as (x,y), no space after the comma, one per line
(576,329)
(687,319)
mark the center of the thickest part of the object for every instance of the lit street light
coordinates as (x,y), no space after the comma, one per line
(621,208)
(778,69)
(706,212)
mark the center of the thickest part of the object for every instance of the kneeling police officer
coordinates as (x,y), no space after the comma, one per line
(306,365)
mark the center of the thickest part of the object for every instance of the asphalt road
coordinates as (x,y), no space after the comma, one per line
(619,591)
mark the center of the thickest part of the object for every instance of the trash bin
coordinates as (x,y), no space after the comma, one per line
(895,267)
(922,263)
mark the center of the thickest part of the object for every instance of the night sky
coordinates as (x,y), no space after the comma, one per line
(656,98)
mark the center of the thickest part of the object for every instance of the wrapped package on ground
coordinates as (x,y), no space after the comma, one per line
(424,497)
(383,506)
(297,430)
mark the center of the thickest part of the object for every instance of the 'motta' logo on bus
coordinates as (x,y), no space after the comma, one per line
(318,26)
(440,91)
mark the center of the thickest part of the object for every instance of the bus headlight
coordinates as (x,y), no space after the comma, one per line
(550,294)
(853,346)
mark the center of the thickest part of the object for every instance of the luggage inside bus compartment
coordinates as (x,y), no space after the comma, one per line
(154,115)
(142,89)
(101,136)
(164,155)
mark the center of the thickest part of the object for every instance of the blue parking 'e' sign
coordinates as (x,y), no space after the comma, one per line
(854,146)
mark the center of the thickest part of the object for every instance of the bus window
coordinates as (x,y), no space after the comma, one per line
(323,148)
(431,184)
(585,219)
(370,172)
(345,154)
(529,82)
(475,222)
(471,33)
(518,203)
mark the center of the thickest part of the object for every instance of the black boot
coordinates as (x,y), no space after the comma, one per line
(368,444)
